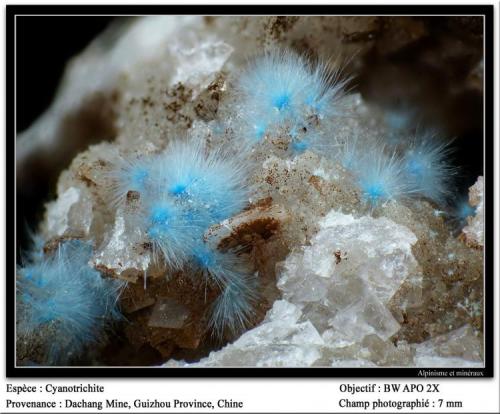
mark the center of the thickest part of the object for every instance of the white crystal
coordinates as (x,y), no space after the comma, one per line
(279,341)
(123,253)
(353,267)
(474,231)
(363,315)
(198,60)
(72,211)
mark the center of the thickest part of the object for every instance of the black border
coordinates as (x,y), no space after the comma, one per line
(103,372)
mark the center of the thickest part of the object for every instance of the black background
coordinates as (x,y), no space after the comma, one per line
(44,45)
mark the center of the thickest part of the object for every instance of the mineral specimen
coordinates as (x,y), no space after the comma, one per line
(343,270)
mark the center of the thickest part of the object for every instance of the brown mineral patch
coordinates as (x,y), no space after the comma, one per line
(338,256)
(147,246)
(462,237)
(468,242)
(246,233)
(262,204)
(270,179)
(106,270)
(280,143)
(280,25)
(102,163)
(179,90)
(129,275)
(207,103)
(84,174)
(176,99)
(147,101)
(133,196)
(190,291)
(303,45)
(316,182)
(209,20)
(51,245)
